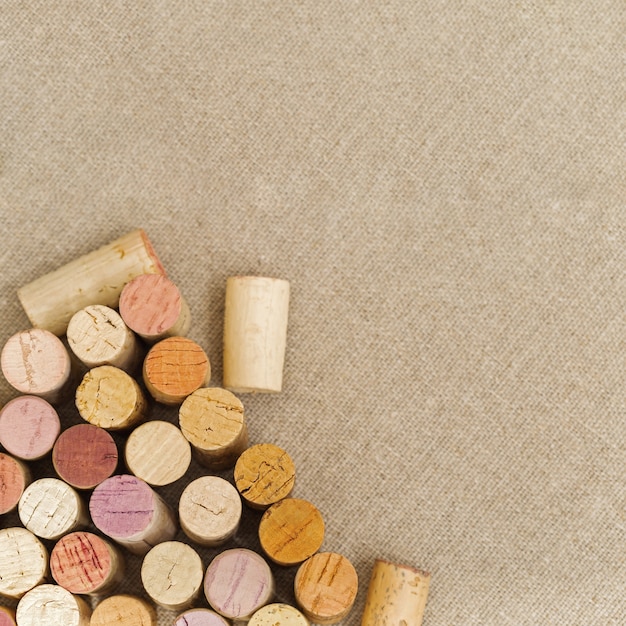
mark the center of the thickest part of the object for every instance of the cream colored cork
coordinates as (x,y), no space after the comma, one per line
(278,614)
(52,605)
(172,575)
(255,333)
(36,362)
(95,278)
(7,616)
(111,399)
(157,452)
(97,335)
(124,610)
(212,420)
(23,562)
(264,474)
(396,594)
(15,476)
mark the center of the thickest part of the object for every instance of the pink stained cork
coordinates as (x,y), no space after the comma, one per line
(199,617)
(14,478)
(84,455)
(29,426)
(237,583)
(7,616)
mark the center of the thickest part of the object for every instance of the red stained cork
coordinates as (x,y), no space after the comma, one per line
(14,477)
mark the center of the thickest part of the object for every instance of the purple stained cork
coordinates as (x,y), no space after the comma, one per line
(238,582)
(199,617)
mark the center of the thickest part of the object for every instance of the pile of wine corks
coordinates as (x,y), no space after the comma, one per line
(109,331)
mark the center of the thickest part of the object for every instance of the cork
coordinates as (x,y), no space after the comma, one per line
(36,362)
(325,587)
(29,426)
(212,419)
(237,583)
(199,617)
(50,508)
(7,616)
(129,511)
(278,614)
(255,333)
(153,307)
(209,510)
(84,455)
(23,561)
(396,594)
(172,574)
(291,531)
(157,452)
(15,476)
(97,335)
(264,474)
(108,397)
(174,368)
(124,610)
(52,605)
(94,278)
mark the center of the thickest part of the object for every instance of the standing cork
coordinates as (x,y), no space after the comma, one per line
(237,583)
(36,362)
(212,419)
(15,476)
(291,531)
(108,397)
(7,616)
(172,574)
(264,474)
(396,595)
(97,335)
(325,587)
(29,426)
(129,511)
(255,333)
(53,606)
(278,614)
(50,508)
(95,278)
(84,455)
(174,368)
(23,562)
(154,308)
(199,617)
(124,610)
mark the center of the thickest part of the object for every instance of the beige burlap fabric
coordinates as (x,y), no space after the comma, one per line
(443,185)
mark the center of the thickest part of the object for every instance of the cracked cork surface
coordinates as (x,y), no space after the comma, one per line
(124,610)
(23,561)
(52,605)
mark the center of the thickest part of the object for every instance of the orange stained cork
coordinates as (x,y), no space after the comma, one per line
(36,362)
(52,605)
(154,308)
(110,398)
(124,610)
(23,561)
(212,419)
(174,368)
(264,474)
(325,587)
(14,478)
(7,616)
(84,563)
(396,594)
(291,531)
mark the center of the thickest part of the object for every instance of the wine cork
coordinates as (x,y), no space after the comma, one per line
(84,455)
(278,614)
(95,278)
(264,474)
(255,333)
(36,362)
(15,476)
(23,562)
(199,617)
(157,452)
(29,426)
(124,610)
(53,606)
(172,574)
(50,508)
(129,511)
(153,307)
(396,594)
(7,616)
(291,531)
(325,587)
(108,397)
(212,419)
(174,368)
(209,510)
(237,583)
(97,335)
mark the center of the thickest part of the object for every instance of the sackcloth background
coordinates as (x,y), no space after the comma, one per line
(443,185)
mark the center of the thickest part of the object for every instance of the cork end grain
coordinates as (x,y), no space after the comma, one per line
(14,478)
(124,610)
